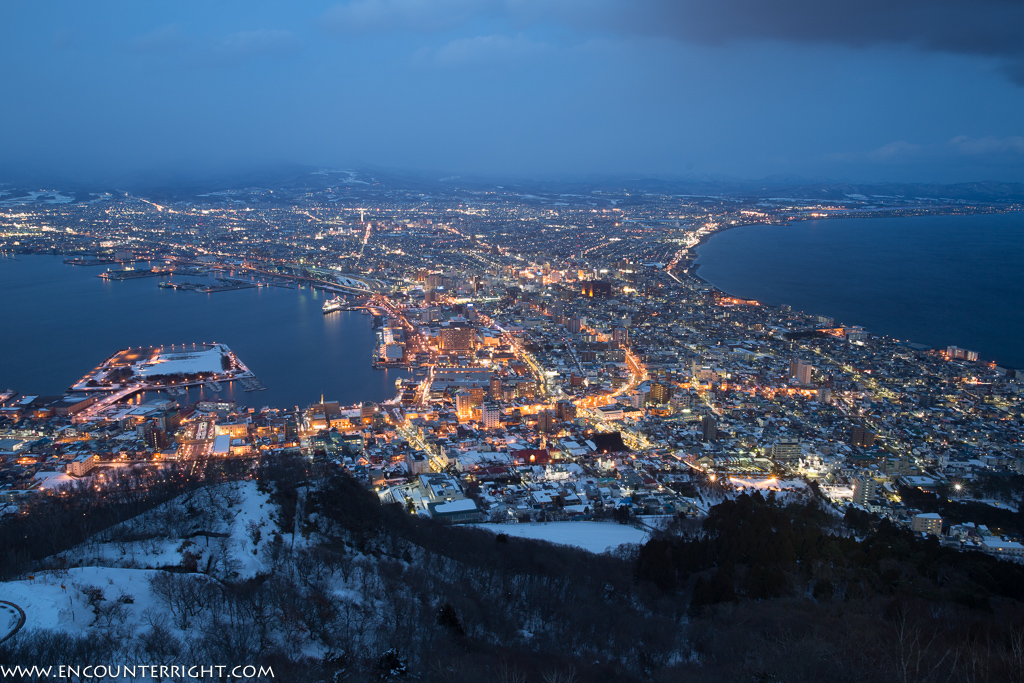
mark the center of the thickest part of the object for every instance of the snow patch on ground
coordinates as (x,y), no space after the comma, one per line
(595,537)
(54,480)
(53,600)
(251,529)
(8,620)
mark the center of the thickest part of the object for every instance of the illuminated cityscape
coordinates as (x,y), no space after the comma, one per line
(565,362)
(505,341)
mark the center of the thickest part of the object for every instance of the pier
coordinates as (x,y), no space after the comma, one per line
(252,384)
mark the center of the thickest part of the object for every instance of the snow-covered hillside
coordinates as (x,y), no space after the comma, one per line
(327,584)
(224,530)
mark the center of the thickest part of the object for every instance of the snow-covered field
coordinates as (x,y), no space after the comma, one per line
(596,537)
(187,363)
(994,502)
(8,619)
(55,600)
(52,197)
(54,480)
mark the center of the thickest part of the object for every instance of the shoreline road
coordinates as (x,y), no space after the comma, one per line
(12,618)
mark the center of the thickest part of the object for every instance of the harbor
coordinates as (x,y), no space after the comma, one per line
(226,285)
(279,331)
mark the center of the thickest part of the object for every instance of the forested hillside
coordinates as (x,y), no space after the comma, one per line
(307,572)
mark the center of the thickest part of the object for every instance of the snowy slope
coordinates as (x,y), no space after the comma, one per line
(596,537)
(54,600)
(207,524)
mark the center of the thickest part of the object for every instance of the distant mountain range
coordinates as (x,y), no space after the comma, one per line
(294,177)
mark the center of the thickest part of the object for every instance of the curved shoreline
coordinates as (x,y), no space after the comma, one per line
(694,267)
(692,271)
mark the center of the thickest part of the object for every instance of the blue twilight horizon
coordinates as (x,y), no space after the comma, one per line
(903,90)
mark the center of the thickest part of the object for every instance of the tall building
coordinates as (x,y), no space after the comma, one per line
(596,288)
(800,371)
(565,411)
(661,392)
(786,449)
(438,281)
(928,523)
(681,400)
(155,437)
(864,489)
(526,389)
(490,415)
(457,339)
(495,387)
(956,353)
(859,436)
(708,428)
(463,403)
(546,421)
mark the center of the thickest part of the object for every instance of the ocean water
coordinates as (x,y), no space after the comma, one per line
(934,280)
(59,321)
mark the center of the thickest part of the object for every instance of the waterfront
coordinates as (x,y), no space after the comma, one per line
(60,321)
(935,280)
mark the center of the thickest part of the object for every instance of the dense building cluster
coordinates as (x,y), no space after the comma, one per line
(566,361)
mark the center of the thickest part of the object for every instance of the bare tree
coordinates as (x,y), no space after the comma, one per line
(555,676)
(508,673)
(915,657)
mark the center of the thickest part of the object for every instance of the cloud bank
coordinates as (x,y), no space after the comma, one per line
(983,28)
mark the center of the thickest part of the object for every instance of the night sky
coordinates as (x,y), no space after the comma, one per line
(926,90)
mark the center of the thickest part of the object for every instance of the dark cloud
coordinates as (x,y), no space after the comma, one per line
(989,28)
(986,27)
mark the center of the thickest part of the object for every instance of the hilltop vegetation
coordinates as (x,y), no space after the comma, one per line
(310,574)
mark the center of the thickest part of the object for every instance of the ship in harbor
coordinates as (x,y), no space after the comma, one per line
(335,304)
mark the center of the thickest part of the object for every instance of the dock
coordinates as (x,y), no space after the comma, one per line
(129,274)
(89,261)
(253,383)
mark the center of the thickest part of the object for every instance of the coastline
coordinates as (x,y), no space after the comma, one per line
(298,357)
(693,272)
(694,266)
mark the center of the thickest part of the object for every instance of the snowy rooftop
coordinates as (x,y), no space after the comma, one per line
(466,505)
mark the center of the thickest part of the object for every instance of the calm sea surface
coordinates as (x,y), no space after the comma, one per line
(59,321)
(935,280)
